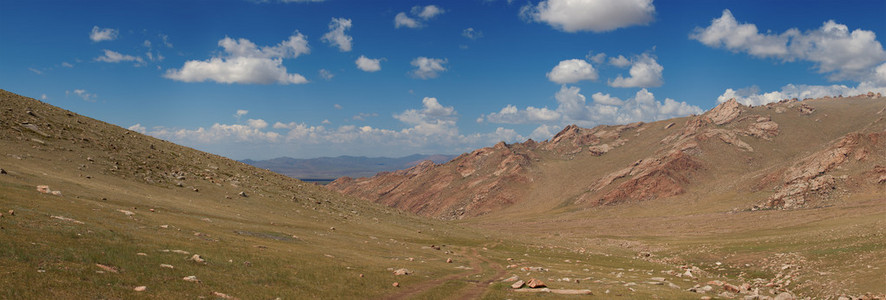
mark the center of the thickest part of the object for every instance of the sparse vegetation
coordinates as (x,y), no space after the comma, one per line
(293,240)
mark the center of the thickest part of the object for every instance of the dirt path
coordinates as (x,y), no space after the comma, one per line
(473,291)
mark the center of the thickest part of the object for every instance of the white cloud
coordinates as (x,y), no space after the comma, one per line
(337,36)
(590,15)
(574,109)
(880,74)
(246,63)
(511,115)
(544,132)
(67,64)
(337,106)
(472,33)
(427,12)
(116,57)
(572,71)
(606,99)
(325,74)
(832,48)
(598,58)
(427,68)
(83,94)
(138,128)
(753,95)
(429,129)
(103,34)
(240,113)
(368,64)
(43,97)
(402,20)
(424,13)
(620,61)
(645,72)
(165,39)
(38,72)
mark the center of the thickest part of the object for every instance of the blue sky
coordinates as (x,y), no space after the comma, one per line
(263,79)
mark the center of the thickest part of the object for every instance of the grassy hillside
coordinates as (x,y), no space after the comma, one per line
(130,206)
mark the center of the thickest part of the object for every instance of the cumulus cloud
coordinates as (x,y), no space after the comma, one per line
(645,72)
(832,48)
(246,63)
(590,15)
(402,20)
(598,58)
(430,128)
(471,33)
(337,36)
(138,128)
(511,115)
(426,68)
(368,64)
(83,94)
(573,109)
(572,71)
(620,61)
(325,74)
(418,12)
(240,113)
(427,12)
(753,95)
(103,34)
(116,57)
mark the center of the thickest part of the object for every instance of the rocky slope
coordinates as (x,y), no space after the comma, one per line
(782,155)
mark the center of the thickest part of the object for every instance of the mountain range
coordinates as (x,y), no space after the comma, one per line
(335,167)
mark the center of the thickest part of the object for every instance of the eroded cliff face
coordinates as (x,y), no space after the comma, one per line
(684,153)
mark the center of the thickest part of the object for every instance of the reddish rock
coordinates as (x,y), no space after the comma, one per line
(518,284)
(724,113)
(535,283)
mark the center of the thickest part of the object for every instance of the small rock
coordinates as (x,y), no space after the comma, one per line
(402,271)
(243,194)
(449,260)
(3,172)
(11,212)
(535,283)
(395,284)
(141,254)
(222,295)
(167,266)
(517,284)
(197,258)
(731,288)
(140,288)
(191,278)
(126,212)
(361,275)
(657,279)
(784,296)
(511,279)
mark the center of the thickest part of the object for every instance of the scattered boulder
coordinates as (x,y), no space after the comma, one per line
(242,194)
(599,149)
(395,284)
(731,288)
(535,283)
(448,260)
(44,189)
(191,278)
(140,288)
(784,296)
(67,219)
(518,284)
(167,266)
(126,212)
(107,268)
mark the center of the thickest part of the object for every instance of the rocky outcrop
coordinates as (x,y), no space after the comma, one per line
(472,184)
(647,179)
(810,177)
(724,113)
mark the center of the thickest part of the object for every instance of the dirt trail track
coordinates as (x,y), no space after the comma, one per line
(476,286)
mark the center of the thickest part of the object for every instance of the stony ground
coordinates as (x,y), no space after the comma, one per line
(91,210)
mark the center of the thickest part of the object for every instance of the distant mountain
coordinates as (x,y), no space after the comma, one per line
(335,167)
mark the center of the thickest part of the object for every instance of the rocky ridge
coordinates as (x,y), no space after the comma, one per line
(492,178)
